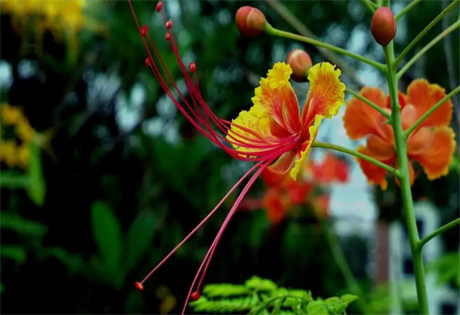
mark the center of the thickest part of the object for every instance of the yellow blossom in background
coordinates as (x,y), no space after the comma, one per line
(8,153)
(63,18)
(23,155)
(10,114)
(24,130)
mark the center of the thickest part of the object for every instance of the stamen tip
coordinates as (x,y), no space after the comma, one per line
(195,295)
(147,62)
(139,286)
(169,24)
(192,67)
(168,36)
(159,6)
(144,30)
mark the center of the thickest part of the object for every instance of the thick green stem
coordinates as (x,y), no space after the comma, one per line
(427,47)
(406,9)
(274,32)
(430,111)
(368,102)
(425,30)
(443,228)
(318,144)
(344,267)
(406,194)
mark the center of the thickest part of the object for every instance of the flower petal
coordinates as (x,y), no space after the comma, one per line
(360,119)
(420,141)
(277,173)
(374,173)
(276,96)
(277,205)
(326,94)
(380,149)
(423,96)
(436,159)
(313,131)
(402,98)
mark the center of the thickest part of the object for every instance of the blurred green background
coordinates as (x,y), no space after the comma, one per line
(115,178)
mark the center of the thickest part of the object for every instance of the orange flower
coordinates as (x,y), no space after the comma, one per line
(329,170)
(432,144)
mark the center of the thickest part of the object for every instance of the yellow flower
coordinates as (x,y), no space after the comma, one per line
(10,114)
(8,152)
(23,154)
(24,130)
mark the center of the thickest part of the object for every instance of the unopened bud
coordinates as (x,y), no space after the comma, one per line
(300,63)
(250,21)
(383,26)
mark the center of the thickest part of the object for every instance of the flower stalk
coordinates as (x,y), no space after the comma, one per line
(369,102)
(437,232)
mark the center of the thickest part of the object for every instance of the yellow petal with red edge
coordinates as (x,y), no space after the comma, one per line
(277,173)
(436,159)
(360,119)
(326,94)
(313,131)
(374,174)
(276,96)
(424,96)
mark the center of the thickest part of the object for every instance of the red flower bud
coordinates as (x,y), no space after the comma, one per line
(250,21)
(300,63)
(383,26)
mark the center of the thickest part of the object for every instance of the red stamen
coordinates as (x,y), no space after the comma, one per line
(192,67)
(144,30)
(139,286)
(147,62)
(168,24)
(195,295)
(159,6)
(168,36)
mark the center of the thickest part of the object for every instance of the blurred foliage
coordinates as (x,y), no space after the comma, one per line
(124,178)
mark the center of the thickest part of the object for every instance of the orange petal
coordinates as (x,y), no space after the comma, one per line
(277,205)
(360,119)
(408,116)
(326,94)
(411,175)
(420,141)
(436,159)
(423,96)
(331,169)
(380,149)
(276,173)
(374,173)
(313,131)
(402,98)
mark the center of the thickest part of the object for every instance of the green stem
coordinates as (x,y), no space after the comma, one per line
(369,102)
(370,5)
(406,194)
(425,30)
(406,9)
(318,144)
(427,47)
(432,235)
(274,32)
(430,111)
(344,267)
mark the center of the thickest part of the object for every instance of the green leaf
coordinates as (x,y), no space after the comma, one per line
(278,305)
(13,180)
(14,252)
(2,288)
(317,308)
(455,165)
(37,187)
(348,298)
(107,234)
(73,262)
(259,284)
(138,240)
(21,225)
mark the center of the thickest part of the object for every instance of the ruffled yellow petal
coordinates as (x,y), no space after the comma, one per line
(326,95)
(313,130)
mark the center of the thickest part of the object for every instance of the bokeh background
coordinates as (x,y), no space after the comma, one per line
(101,176)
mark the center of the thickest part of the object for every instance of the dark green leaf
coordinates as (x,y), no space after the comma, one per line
(16,253)
(22,226)
(137,240)
(107,234)
(37,187)
(13,180)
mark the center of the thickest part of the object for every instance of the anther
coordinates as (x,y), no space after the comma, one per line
(159,6)
(139,286)
(195,296)
(144,30)
(168,36)
(147,64)
(169,24)
(192,67)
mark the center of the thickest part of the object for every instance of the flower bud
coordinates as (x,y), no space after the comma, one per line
(250,21)
(300,63)
(383,26)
